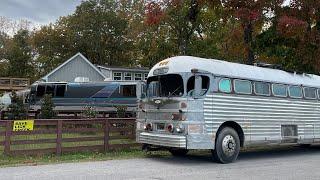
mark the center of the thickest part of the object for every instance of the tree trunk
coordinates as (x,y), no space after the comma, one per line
(182,46)
(248,41)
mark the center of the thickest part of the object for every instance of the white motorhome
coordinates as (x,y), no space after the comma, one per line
(196,103)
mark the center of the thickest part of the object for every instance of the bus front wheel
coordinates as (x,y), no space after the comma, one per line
(227,146)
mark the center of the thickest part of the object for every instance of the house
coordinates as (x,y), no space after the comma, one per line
(77,66)
(124,74)
(79,69)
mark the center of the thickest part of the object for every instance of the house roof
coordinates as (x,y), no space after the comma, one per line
(115,68)
(69,60)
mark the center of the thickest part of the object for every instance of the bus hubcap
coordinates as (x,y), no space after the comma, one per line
(228,145)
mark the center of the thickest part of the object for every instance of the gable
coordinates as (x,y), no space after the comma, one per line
(77,66)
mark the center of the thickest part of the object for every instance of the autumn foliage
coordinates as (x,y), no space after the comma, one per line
(141,33)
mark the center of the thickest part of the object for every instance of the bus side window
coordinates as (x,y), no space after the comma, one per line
(205,82)
(242,86)
(225,85)
(60,90)
(128,90)
(279,90)
(262,88)
(295,91)
(310,93)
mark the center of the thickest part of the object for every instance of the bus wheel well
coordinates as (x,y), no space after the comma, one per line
(236,127)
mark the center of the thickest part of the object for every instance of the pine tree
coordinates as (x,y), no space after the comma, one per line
(47,107)
(17,109)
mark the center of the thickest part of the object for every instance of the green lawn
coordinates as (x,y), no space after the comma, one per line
(8,161)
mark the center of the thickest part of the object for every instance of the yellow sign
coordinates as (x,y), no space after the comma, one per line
(23,125)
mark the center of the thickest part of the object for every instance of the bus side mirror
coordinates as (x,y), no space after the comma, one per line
(197,86)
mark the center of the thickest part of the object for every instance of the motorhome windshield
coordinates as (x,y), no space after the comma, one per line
(165,86)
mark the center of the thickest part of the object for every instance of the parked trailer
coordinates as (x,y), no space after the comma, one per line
(195,103)
(73,97)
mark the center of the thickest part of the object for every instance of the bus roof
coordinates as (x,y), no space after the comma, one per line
(180,64)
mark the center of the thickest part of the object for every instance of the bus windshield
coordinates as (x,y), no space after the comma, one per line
(170,85)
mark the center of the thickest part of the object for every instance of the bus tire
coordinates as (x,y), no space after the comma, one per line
(227,146)
(178,152)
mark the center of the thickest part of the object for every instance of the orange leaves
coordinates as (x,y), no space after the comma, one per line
(154,13)
(291,26)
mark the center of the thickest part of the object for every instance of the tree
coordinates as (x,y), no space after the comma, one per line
(16,109)
(251,16)
(47,107)
(20,56)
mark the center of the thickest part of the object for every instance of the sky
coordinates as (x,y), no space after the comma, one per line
(40,12)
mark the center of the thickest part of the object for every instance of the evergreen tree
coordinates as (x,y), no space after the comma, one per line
(47,107)
(17,109)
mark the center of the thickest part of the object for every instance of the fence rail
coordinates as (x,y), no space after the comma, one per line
(8,84)
(68,135)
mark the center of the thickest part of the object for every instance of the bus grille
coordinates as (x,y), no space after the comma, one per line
(162,140)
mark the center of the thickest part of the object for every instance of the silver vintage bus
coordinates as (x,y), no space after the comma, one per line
(195,103)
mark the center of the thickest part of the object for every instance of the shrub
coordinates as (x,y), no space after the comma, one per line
(121,111)
(17,110)
(90,111)
(47,107)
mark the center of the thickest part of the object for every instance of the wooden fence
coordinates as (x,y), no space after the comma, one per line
(9,84)
(68,135)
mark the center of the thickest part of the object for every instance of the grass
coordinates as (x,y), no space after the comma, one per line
(8,161)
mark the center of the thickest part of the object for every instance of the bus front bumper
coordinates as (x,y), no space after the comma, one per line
(166,140)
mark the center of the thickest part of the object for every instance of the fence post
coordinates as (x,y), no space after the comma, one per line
(106,134)
(59,138)
(7,142)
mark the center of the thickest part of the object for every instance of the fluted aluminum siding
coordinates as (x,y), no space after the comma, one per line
(261,117)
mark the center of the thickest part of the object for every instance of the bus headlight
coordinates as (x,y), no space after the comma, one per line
(180,129)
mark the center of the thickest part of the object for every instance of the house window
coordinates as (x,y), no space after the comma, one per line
(127,76)
(117,76)
(138,76)
(145,76)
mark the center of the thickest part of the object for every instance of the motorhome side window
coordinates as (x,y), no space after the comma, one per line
(128,90)
(41,89)
(295,91)
(60,90)
(50,89)
(310,93)
(242,86)
(225,85)
(191,84)
(262,88)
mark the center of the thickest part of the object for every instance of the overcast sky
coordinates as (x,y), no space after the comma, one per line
(38,11)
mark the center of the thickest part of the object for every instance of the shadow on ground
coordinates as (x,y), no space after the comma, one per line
(195,157)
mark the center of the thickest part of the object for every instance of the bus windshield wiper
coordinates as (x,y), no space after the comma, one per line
(170,94)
